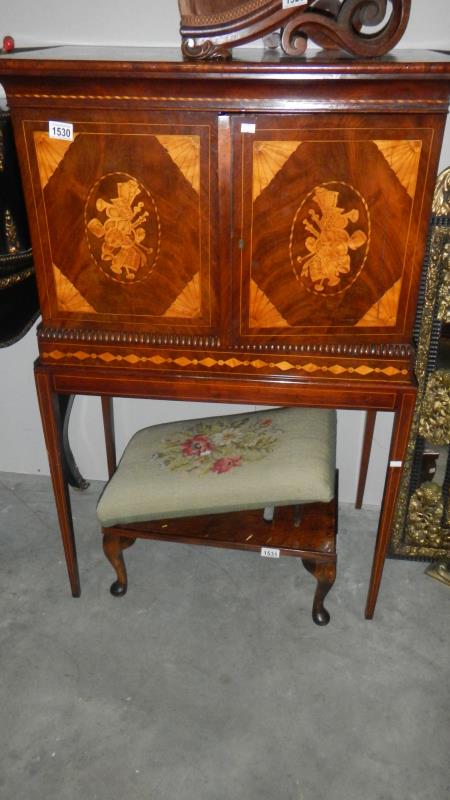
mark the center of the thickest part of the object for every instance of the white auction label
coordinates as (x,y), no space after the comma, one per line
(60,130)
(396,464)
(248,127)
(270,552)
(291,3)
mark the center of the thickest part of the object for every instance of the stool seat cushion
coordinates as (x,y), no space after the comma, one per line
(227,463)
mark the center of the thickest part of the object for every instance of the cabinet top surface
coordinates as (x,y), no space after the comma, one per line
(95,61)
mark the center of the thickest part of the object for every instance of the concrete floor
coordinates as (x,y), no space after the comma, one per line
(209,681)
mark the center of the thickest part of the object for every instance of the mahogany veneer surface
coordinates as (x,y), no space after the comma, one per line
(249,231)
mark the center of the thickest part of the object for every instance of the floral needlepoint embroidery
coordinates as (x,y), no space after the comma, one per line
(197,446)
(226,463)
(220,445)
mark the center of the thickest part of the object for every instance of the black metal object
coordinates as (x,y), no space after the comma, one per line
(19,305)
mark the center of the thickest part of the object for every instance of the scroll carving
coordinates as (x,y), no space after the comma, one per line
(424,523)
(361,27)
(444,295)
(12,241)
(434,423)
(441,208)
(441,199)
(340,25)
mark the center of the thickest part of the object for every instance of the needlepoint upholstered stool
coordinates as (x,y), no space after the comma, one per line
(261,481)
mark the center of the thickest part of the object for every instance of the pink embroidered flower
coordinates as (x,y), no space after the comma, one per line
(198,445)
(226,463)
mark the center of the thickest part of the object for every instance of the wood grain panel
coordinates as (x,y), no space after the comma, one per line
(329,227)
(126,219)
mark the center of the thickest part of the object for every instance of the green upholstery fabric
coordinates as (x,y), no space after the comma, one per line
(179,469)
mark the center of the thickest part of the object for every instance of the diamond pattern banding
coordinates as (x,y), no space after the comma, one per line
(231,363)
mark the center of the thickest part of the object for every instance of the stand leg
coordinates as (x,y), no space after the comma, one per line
(399,443)
(108,426)
(113,545)
(51,414)
(371,417)
(325,575)
(74,475)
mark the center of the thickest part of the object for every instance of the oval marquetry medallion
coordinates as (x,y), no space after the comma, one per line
(122,228)
(330,238)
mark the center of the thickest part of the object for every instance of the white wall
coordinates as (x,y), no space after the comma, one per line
(21,443)
(152,22)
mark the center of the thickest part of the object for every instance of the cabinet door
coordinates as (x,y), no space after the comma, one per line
(330,231)
(124,219)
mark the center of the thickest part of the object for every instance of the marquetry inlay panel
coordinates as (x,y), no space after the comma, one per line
(274,364)
(329,229)
(125,220)
(122,227)
(328,249)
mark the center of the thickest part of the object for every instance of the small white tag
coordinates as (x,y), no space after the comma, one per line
(248,127)
(396,463)
(60,130)
(291,3)
(269,513)
(270,552)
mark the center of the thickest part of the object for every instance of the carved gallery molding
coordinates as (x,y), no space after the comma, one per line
(49,334)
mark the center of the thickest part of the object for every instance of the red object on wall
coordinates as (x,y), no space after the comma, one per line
(8,44)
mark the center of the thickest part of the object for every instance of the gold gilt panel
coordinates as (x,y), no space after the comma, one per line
(419,528)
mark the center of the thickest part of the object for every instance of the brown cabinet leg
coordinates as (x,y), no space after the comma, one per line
(108,427)
(325,575)
(371,417)
(51,414)
(399,443)
(113,546)
(74,475)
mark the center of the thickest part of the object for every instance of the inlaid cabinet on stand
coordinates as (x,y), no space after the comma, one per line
(250,231)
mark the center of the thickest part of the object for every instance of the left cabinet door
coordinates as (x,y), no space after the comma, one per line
(122,218)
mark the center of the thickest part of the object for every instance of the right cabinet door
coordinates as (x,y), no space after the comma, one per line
(330,220)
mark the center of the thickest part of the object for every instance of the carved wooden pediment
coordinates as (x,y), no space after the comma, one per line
(210,28)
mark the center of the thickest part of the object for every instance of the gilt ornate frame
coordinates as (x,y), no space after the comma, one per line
(421,527)
(209,32)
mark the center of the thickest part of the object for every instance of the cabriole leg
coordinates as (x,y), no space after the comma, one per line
(325,575)
(113,546)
